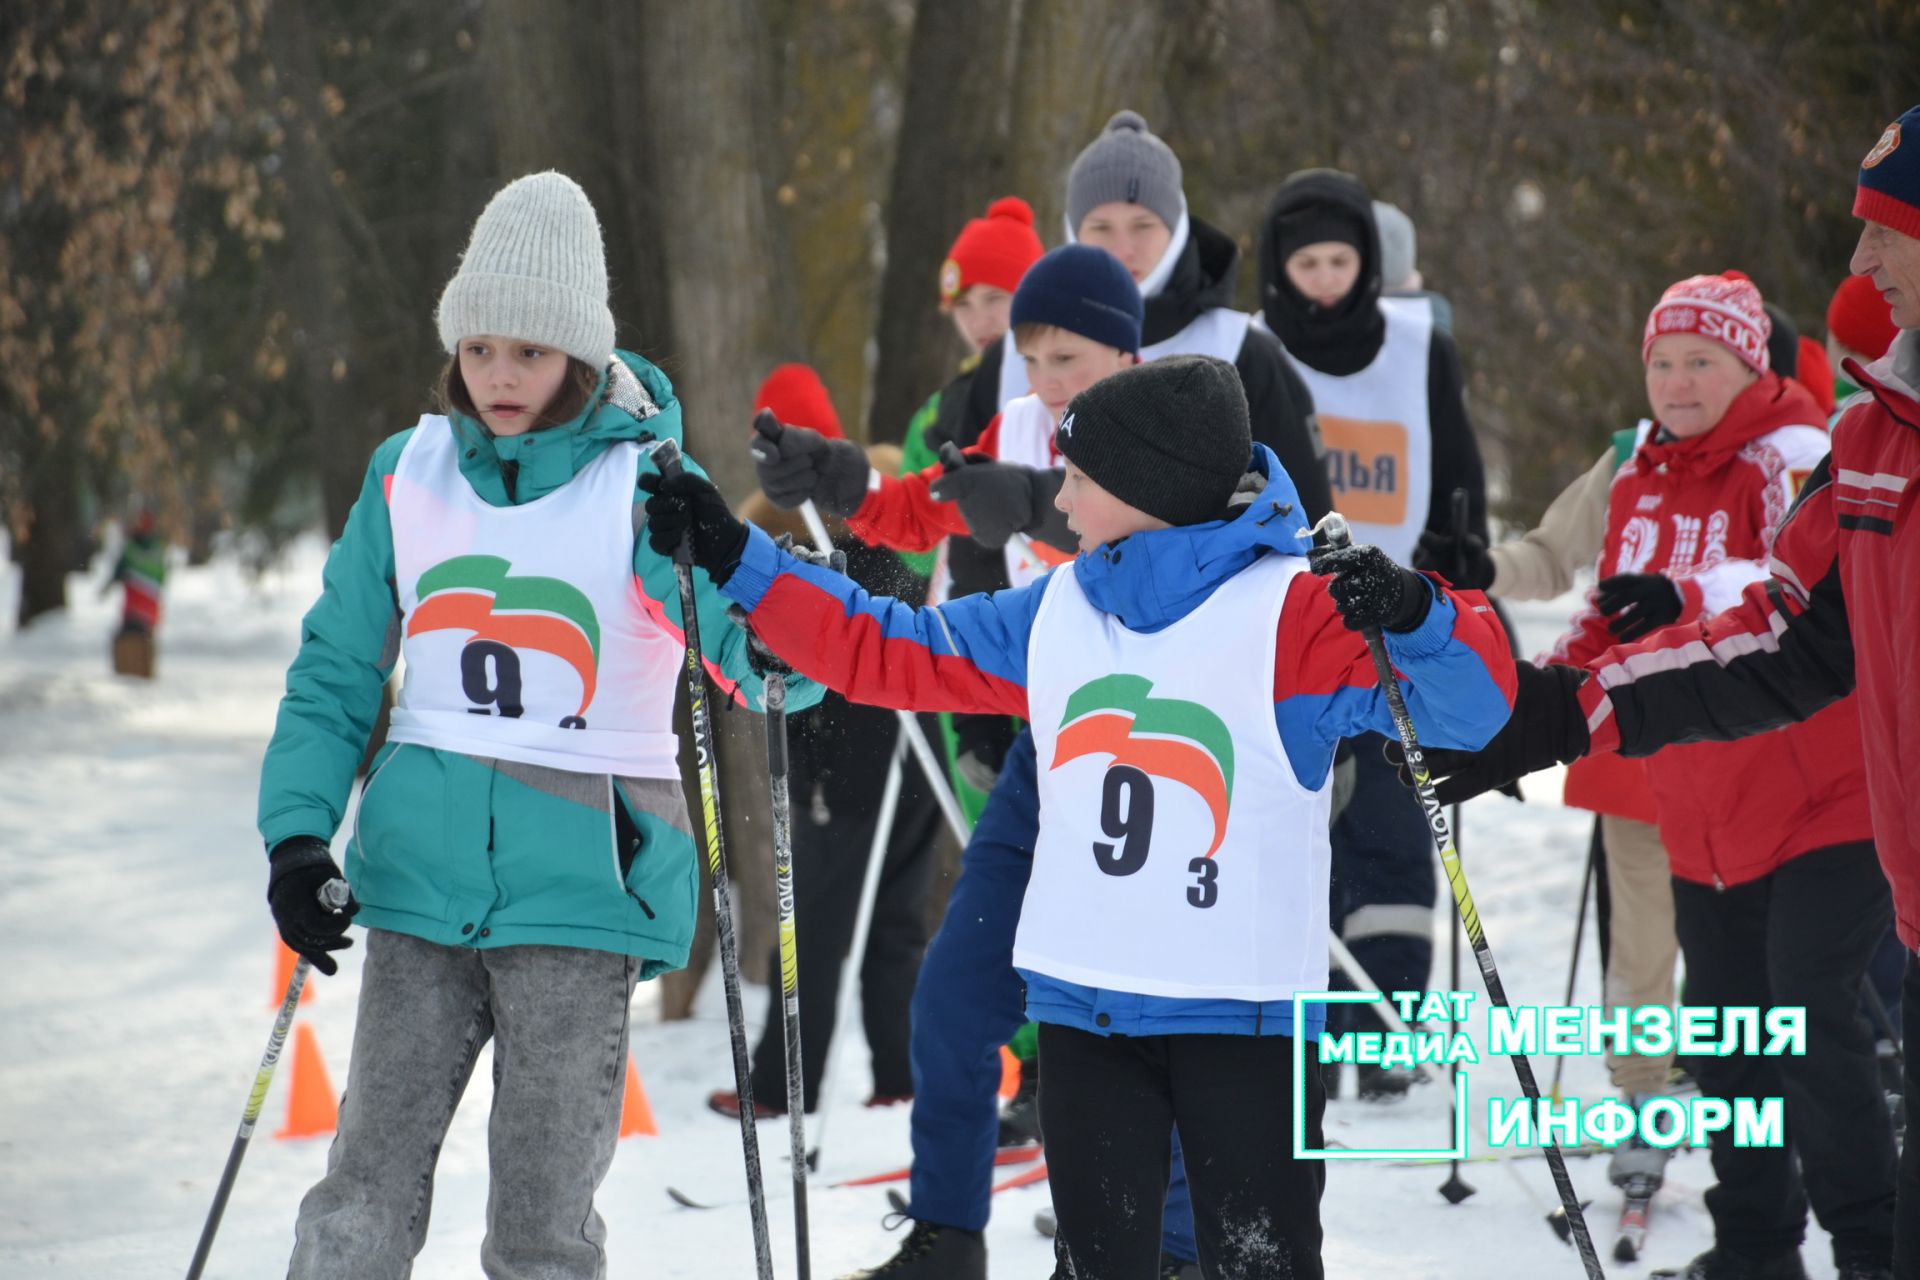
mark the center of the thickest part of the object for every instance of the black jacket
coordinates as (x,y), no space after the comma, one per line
(1344,339)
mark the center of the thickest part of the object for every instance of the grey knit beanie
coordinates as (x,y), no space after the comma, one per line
(1170,437)
(1397,244)
(534,269)
(1126,162)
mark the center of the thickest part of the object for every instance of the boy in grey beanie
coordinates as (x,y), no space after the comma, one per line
(1128,163)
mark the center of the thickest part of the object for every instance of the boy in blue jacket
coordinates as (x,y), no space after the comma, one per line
(1174,808)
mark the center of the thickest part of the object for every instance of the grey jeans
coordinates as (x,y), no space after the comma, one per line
(558,1020)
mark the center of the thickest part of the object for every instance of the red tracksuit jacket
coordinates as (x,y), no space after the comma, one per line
(1841,609)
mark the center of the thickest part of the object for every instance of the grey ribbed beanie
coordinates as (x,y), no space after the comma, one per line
(534,269)
(1397,244)
(1126,162)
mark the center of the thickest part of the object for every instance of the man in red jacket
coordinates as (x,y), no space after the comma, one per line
(1840,612)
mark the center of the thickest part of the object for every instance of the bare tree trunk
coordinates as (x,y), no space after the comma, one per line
(588,128)
(55,543)
(955,159)
(731,308)
(320,265)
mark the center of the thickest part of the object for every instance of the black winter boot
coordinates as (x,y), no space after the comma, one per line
(1724,1264)
(933,1252)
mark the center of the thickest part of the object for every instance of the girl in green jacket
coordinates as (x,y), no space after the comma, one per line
(522,853)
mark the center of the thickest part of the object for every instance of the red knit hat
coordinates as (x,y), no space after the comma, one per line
(1725,308)
(995,250)
(799,399)
(1859,318)
(1815,373)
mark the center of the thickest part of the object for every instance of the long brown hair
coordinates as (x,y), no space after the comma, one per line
(575,390)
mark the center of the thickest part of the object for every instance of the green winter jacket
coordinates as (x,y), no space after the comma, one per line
(466,851)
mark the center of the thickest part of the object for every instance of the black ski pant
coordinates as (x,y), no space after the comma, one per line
(1802,936)
(835,781)
(1108,1105)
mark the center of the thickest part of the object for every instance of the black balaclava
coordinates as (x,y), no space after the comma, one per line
(1311,206)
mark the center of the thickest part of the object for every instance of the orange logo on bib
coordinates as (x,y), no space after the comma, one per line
(1367,468)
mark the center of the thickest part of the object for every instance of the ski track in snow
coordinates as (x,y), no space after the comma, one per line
(138,961)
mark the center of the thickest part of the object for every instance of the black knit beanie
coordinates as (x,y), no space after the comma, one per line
(1169,437)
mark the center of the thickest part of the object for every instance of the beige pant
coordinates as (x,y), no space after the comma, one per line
(1640,942)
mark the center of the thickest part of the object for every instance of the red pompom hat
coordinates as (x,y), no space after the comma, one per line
(798,398)
(995,250)
(1725,309)
(1859,318)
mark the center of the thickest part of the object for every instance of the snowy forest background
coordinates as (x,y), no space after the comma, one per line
(224,223)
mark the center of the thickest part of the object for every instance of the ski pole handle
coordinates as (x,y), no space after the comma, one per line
(667,457)
(334,895)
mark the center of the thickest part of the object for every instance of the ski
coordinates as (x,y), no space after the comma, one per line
(686,1201)
(1025,1178)
(1499,1156)
(1046,1224)
(1632,1237)
(1003,1156)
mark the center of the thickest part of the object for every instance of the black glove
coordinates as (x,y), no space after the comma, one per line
(980,744)
(683,502)
(797,464)
(763,661)
(1462,561)
(299,866)
(996,499)
(1370,590)
(1546,728)
(1636,603)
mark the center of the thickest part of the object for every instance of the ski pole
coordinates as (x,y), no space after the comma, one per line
(776,697)
(333,896)
(909,726)
(1579,932)
(666,456)
(1335,528)
(1455,1188)
(862,928)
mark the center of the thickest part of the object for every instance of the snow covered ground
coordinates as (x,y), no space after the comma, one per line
(136,961)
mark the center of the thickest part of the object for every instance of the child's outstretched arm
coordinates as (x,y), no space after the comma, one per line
(970,655)
(1448,650)
(724,648)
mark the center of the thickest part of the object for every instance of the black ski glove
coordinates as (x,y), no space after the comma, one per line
(1636,603)
(996,499)
(763,661)
(1462,561)
(686,503)
(980,744)
(298,867)
(1370,590)
(1546,728)
(797,464)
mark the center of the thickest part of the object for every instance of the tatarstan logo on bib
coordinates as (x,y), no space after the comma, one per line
(479,594)
(1180,741)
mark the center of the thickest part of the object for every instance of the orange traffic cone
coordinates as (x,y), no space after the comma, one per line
(312,1108)
(284,961)
(636,1116)
(1009,1073)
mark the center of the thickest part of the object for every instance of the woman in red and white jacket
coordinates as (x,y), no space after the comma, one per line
(1778,898)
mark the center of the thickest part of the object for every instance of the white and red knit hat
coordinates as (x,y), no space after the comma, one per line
(1725,308)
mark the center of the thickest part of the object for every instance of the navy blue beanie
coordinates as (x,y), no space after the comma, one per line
(1083,290)
(1889,190)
